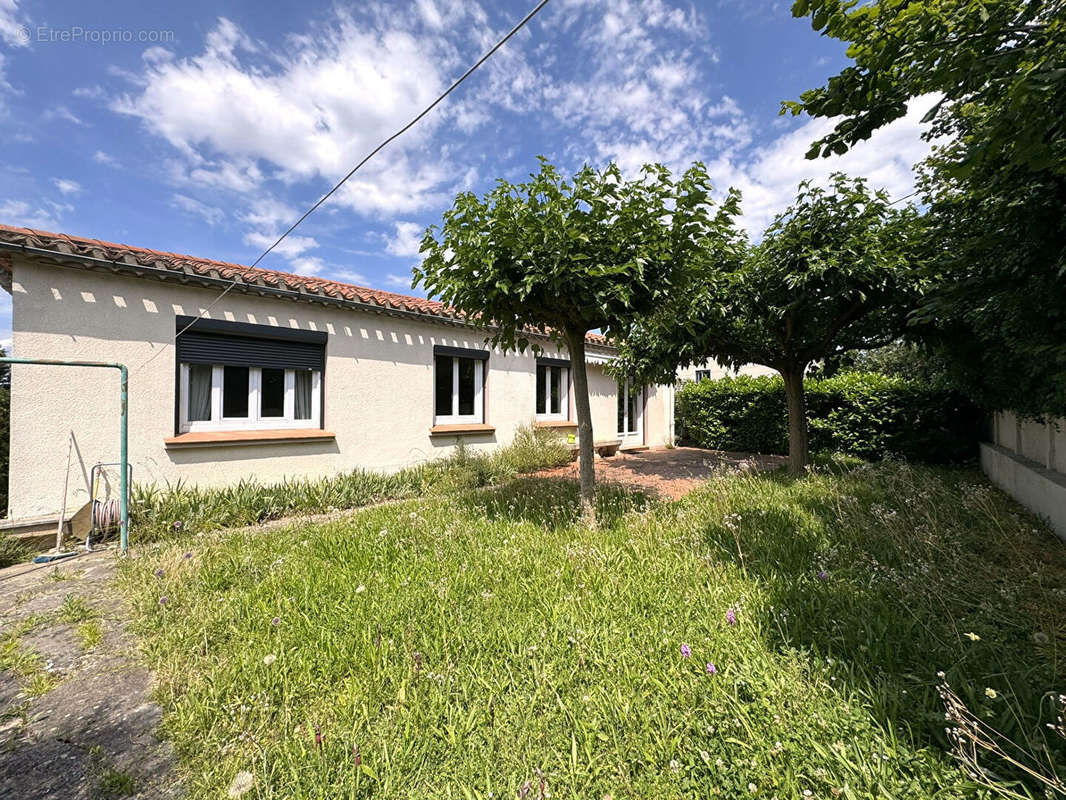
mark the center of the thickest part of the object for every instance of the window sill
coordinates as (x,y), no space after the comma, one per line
(555,423)
(230,438)
(452,430)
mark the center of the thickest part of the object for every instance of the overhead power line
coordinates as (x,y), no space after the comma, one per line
(455,85)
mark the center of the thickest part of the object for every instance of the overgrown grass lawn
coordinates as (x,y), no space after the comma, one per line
(484,644)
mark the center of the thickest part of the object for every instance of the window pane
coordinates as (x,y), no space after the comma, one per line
(467,366)
(303,385)
(443,404)
(199,401)
(555,388)
(235,392)
(541,376)
(621,407)
(272,393)
(634,399)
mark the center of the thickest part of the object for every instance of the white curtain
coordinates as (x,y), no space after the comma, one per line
(199,392)
(303,394)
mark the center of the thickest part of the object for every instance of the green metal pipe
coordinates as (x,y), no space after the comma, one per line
(124,511)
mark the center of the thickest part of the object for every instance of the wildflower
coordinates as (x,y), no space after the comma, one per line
(731,616)
(242,784)
(973,637)
(686,651)
(418,661)
(360,589)
(276,621)
(176,525)
(163,600)
(711,669)
(269,659)
(1040,637)
(188,556)
(357,757)
(991,694)
(318,737)
(823,575)
(674,766)
(159,573)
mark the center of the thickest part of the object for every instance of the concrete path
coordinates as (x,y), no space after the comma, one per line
(76,719)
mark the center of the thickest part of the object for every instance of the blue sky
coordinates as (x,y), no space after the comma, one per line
(207,128)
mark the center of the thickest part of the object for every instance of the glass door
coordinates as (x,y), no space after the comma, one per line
(630,413)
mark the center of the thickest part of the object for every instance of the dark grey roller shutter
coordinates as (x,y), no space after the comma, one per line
(240,344)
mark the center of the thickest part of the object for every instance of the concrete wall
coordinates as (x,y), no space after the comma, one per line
(1028,461)
(378,387)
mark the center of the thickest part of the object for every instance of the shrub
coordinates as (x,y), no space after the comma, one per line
(867,415)
(161,511)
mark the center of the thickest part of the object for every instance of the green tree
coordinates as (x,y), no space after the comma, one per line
(566,257)
(832,273)
(996,234)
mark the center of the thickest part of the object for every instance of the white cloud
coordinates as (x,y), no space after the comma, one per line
(398,281)
(641,90)
(67,186)
(100,157)
(13,29)
(64,114)
(768,177)
(350,276)
(18,212)
(408,239)
(307,265)
(190,205)
(309,114)
(292,247)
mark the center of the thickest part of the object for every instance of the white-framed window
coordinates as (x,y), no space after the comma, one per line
(215,397)
(457,388)
(553,392)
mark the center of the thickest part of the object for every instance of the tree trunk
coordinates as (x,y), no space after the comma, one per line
(575,343)
(797,421)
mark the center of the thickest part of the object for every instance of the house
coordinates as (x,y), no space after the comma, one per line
(238,373)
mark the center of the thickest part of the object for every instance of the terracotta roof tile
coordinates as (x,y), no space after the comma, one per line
(250,276)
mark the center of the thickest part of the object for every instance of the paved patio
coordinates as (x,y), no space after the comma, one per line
(669,472)
(94,735)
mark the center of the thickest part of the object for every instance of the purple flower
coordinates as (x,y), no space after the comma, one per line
(686,651)
(163,600)
(276,621)
(188,556)
(711,669)
(177,525)
(731,617)
(159,573)
(823,575)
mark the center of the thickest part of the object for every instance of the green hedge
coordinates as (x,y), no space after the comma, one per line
(867,415)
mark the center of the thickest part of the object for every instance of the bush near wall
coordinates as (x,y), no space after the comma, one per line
(867,415)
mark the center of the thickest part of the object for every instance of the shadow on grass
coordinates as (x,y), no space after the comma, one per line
(551,502)
(896,573)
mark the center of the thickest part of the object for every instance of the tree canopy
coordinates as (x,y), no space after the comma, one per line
(563,257)
(834,272)
(996,235)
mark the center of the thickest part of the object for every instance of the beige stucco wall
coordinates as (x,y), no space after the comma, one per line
(718,371)
(378,387)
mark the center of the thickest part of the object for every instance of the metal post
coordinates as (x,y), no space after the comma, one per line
(124,524)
